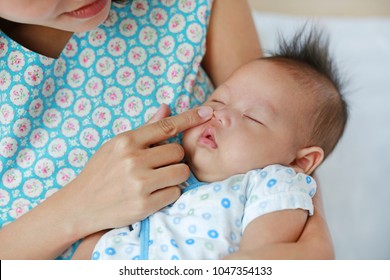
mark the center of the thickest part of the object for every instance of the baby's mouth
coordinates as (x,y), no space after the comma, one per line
(207,138)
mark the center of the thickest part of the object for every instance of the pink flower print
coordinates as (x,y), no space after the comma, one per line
(19,207)
(47,86)
(186,4)
(174,74)
(69,47)
(59,68)
(33,75)
(6,113)
(16,60)
(8,147)
(22,127)
(136,56)
(113,96)
(115,47)
(18,93)
(57,147)
(158,16)
(144,85)
(98,36)
(30,188)
(129,27)
(78,158)
(89,137)
(165,94)
(70,126)
(182,104)
(126,74)
(19,211)
(186,53)
(148,35)
(76,76)
(37,137)
(101,116)
(191,83)
(44,170)
(156,67)
(93,88)
(81,107)
(102,65)
(51,116)
(27,157)
(131,105)
(3,80)
(63,99)
(10,178)
(140,6)
(123,127)
(175,23)
(37,106)
(65,177)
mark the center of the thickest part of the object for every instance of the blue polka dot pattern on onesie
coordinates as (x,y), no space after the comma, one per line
(220,212)
(225,203)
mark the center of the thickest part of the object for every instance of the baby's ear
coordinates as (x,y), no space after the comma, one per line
(308,159)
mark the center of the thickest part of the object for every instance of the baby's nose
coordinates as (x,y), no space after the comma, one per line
(223,116)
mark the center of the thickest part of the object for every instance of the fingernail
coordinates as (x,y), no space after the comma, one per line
(205,111)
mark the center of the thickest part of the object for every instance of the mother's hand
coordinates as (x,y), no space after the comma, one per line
(124,181)
(129,178)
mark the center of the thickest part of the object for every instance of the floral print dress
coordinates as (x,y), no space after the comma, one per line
(56,113)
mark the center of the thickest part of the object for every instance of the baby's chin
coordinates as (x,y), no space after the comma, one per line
(210,175)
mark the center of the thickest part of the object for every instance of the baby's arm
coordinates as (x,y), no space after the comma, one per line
(85,249)
(269,233)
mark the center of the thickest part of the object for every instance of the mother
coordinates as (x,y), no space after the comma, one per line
(73,87)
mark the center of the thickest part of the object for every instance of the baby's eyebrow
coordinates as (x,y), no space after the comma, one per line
(224,92)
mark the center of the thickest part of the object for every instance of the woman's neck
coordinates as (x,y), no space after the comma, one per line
(40,39)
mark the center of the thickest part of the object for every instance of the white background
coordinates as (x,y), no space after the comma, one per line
(355,179)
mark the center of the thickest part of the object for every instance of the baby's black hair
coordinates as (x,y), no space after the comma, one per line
(307,56)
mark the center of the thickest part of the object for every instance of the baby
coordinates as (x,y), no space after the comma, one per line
(275,120)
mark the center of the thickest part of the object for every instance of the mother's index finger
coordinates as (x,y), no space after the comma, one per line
(169,127)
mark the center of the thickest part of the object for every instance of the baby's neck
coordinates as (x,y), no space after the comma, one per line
(40,39)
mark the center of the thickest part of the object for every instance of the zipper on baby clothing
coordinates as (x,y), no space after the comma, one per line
(144,239)
(192,183)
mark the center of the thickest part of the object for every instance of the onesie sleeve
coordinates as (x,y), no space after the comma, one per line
(276,188)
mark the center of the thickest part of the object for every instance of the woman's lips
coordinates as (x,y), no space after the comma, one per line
(89,10)
(207,138)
